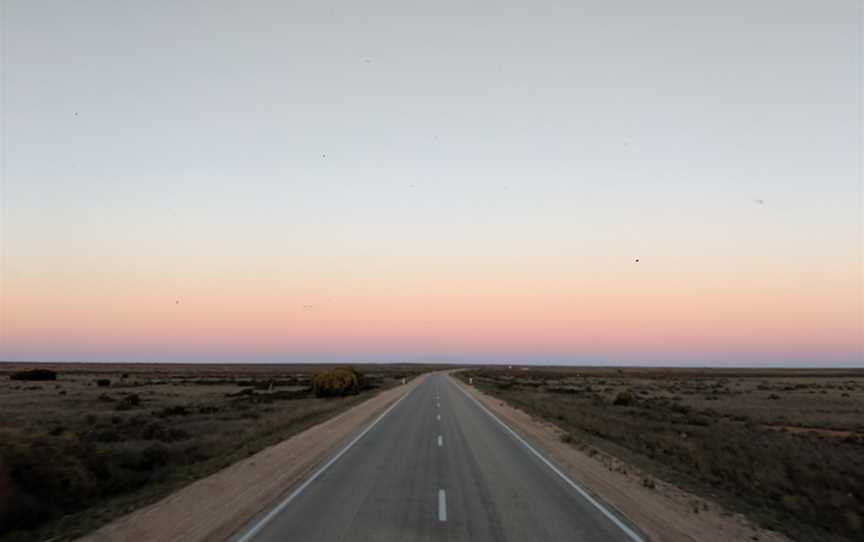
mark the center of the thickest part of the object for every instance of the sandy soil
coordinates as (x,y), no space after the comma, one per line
(664,513)
(213,508)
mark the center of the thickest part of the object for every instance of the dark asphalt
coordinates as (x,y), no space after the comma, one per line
(387,487)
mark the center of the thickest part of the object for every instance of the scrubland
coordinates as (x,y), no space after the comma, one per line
(102,440)
(783,447)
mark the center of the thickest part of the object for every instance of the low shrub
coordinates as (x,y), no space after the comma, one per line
(34,374)
(337,382)
(624,398)
(561,389)
(129,402)
(176,410)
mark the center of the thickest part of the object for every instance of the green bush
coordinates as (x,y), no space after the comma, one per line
(44,475)
(337,382)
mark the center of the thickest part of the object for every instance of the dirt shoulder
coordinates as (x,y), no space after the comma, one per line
(663,513)
(214,507)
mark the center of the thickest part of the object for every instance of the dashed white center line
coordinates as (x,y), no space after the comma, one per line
(442,505)
(438,417)
(440,441)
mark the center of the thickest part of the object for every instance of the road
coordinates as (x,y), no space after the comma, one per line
(437,466)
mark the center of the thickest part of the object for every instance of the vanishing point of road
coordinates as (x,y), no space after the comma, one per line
(437,466)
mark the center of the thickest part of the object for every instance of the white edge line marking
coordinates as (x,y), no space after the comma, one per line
(633,536)
(442,505)
(281,506)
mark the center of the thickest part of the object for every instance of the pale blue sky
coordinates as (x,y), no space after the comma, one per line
(168,135)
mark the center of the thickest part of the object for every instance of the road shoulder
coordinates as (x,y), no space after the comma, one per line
(663,513)
(215,507)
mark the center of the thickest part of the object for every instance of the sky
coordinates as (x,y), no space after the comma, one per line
(382,181)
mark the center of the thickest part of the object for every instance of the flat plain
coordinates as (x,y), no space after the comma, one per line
(104,439)
(783,447)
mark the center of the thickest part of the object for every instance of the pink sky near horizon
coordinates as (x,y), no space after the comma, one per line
(636,312)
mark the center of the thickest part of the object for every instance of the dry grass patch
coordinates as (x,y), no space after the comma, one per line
(715,433)
(102,440)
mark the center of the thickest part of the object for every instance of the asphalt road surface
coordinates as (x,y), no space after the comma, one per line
(437,466)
